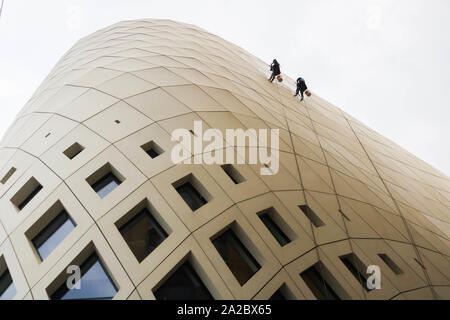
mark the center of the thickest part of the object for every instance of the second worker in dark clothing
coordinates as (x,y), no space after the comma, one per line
(301,87)
(275,68)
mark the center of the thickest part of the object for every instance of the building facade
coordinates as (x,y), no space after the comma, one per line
(89,189)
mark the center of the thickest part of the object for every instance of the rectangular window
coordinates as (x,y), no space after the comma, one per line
(317,278)
(73,150)
(105,180)
(183,284)
(53,234)
(152,149)
(270,217)
(26,193)
(192,192)
(7,288)
(390,263)
(233,174)
(356,268)
(143,234)
(95,283)
(8,175)
(310,214)
(236,256)
(280,294)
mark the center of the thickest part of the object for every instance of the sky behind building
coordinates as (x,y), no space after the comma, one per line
(384,62)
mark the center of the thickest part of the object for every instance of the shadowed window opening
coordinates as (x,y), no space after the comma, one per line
(192,192)
(73,150)
(319,281)
(7,288)
(26,193)
(152,149)
(183,284)
(272,220)
(105,180)
(233,173)
(356,268)
(53,234)
(95,283)
(312,216)
(8,175)
(143,234)
(236,256)
(390,263)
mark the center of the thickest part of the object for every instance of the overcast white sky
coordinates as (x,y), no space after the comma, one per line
(386,62)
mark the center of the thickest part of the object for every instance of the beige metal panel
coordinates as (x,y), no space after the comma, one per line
(125,120)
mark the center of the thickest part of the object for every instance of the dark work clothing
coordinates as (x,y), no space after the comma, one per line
(301,87)
(275,68)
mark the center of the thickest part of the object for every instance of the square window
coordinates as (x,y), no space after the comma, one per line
(95,283)
(183,284)
(26,193)
(143,233)
(53,233)
(73,150)
(312,216)
(356,268)
(192,192)
(390,263)
(270,217)
(236,256)
(105,180)
(319,280)
(233,173)
(152,149)
(7,288)
(8,175)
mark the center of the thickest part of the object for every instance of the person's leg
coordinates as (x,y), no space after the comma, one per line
(296,92)
(302,95)
(272,77)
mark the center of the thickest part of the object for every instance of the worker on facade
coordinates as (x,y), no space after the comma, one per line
(301,87)
(275,68)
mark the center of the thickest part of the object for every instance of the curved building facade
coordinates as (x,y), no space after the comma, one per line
(89,189)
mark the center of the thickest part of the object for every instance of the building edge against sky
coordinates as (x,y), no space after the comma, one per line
(86,179)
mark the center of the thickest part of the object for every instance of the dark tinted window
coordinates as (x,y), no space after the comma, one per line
(184,284)
(390,263)
(233,174)
(7,288)
(278,295)
(143,234)
(53,234)
(357,268)
(241,263)
(192,197)
(152,149)
(275,230)
(95,283)
(318,285)
(106,184)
